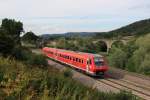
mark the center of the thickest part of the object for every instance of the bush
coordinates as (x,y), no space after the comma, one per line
(117,58)
(145,65)
(134,56)
(124,95)
(25,55)
(141,56)
(20,53)
(67,73)
(1,76)
(37,60)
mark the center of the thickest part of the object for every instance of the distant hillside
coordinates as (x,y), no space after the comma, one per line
(51,36)
(82,34)
(137,28)
(68,35)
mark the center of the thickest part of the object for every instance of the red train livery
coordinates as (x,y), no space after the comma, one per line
(93,64)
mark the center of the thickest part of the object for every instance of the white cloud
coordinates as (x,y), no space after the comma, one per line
(43,16)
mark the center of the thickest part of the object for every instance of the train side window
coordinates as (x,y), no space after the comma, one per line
(82,61)
(73,59)
(76,59)
(79,60)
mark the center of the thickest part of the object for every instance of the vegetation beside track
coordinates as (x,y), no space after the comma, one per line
(134,56)
(19,81)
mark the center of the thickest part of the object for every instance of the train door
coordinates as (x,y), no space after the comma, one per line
(88,65)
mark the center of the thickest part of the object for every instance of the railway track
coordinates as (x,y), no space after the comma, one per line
(135,84)
(124,72)
(134,80)
(121,85)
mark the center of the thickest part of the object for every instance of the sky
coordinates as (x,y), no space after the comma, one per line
(59,16)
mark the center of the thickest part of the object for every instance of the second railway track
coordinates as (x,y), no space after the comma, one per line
(142,93)
(130,77)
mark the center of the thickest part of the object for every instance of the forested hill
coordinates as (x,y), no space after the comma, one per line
(136,28)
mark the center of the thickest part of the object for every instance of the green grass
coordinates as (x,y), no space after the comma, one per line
(18,81)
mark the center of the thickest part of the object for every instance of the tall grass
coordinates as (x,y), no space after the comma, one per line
(21,82)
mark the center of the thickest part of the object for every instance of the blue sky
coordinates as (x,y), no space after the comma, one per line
(59,16)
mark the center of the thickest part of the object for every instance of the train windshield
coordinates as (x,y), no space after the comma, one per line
(98,61)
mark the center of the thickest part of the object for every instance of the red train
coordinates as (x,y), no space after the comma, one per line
(92,64)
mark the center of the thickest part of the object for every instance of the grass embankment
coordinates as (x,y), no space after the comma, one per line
(21,81)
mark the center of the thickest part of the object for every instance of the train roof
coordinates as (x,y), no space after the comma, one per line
(76,52)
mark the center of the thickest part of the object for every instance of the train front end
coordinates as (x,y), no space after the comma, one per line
(100,65)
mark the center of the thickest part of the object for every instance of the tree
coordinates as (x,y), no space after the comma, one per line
(118,44)
(118,58)
(13,29)
(6,43)
(30,37)
(141,56)
(10,32)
